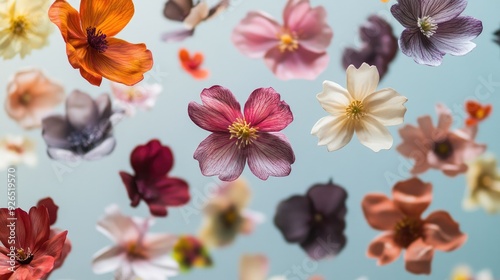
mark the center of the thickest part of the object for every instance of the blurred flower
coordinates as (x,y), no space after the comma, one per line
(191,15)
(15,150)
(190,252)
(84,133)
(36,251)
(477,112)
(90,43)
(379,47)
(132,97)
(483,185)
(497,37)
(464,272)
(23,26)
(192,64)
(152,163)
(435,28)
(237,137)
(438,147)
(316,221)
(405,229)
(256,267)
(294,50)
(31,96)
(226,216)
(359,109)
(135,252)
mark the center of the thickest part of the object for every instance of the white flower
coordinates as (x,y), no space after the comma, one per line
(139,96)
(483,185)
(15,150)
(359,108)
(24,25)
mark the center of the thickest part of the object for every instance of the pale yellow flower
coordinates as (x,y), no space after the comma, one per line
(15,150)
(483,185)
(463,272)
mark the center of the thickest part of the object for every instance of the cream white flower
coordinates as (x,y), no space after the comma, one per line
(463,272)
(483,185)
(141,96)
(360,108)
(24,25)
(15,150)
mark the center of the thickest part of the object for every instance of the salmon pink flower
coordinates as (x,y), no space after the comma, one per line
(90,43)
(16,150)
(192,64)
(237,137)
(294,50)
(404,229)
(477,112)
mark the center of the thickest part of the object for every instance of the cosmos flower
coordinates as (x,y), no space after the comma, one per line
(237,137)
(256,267)
(192,64)
(84,133)
(359,108)
(15,150)
(438,147)
(463,272)
(136,253)
(483,185)
(316,221)
(36,251)
(91,45)
(130,98)
(477,112)
(404,229)
(152,163)
(379,46)
(435,28)
(31,96)
(294,50)
(190,252)
(24,26)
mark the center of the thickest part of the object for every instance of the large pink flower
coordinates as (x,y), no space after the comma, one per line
(294,50)
(438,147)
(237,137)
(405,229)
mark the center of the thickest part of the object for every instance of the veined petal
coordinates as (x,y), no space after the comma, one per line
(362,82)
(110,17)
(454,36)
(380,212)
(443,10)
(265,109)
(334,98)
(423,51)
(335,132)
(62,14)
(386,106)
(407,12)
(373,134)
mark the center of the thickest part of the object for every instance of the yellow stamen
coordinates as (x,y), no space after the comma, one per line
(355,110)
(288,42)
(243,132)
(19,25)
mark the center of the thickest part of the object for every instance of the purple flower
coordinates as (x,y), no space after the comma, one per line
(435,28)
(497,37)
(315,220)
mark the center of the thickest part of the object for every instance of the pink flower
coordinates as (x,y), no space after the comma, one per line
(237,137)
(141,96)
(136,253)
(404,229)
(438,147)
(294,50)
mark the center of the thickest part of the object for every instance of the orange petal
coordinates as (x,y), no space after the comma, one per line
(108,16)
(67,19)
(197,59)
(412,196)
(93,78)
(184,56)
(380,212)
(384,249)
(418,257)
(200,74)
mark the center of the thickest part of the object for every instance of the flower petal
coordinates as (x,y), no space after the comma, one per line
(454,36)
(52,208)
(373,134)
(253,267)
(384,249)
(326,241)
(423,51)
(418,257)
(117,227)
(380,212)
(362,82)
(413,147)
(158,244)
(105,148)
(443,10)
(108,17)
(152,160)
(334,98)
(40,224)
(328,199)
(407,12)
(265,109)
(81,110)
(108,259)
(386,106)
(442,232)
(55,132)
(298,64)
(293,217)
(335,132)
(412,196)
(62,14)
(172,191)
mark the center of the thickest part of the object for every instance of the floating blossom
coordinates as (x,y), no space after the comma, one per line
(36,250)
(91,45)
(404,229)
(190,252)
(477,112)
(438,147)
(483,185)
(192,64)
(464,272)
(359,108)
(85,132)
(379,47)
(316,221)
(497,37)
(136,253)
(191,15)
(294,50)
(31,96)
(256,267)
(435,28)
(141,96)
(24,26)
(152,163)
(15,150)
(237,137)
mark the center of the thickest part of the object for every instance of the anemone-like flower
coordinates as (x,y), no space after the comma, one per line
(483,185)
(192,64)
(130,98)
(477,112)
(16,150)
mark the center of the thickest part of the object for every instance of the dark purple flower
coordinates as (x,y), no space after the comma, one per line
(379,46)
(435,28)
(497,37)
(315,220)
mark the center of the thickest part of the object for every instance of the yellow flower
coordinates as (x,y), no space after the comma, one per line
(24,25)
(483,185)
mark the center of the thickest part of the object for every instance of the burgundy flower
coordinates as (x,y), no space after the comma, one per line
(151,163)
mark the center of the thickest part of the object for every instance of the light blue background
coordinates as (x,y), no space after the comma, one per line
(83,193)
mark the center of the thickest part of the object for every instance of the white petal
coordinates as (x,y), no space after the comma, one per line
(363,81)
(159,244)
(108,259)
(334,99)
(484,275)
(335,132)
(386,106)
(155,269)
(373,134)
(488,201)
(118,227)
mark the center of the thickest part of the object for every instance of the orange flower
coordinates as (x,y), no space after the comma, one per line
(192,64)
(477,112)
(90,44)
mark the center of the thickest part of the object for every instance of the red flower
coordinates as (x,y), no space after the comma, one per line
(192,64)
(151,163)
(477,112)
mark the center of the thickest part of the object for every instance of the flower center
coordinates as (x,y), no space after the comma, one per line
(406,231)
(443,150)
(18,26)
(355,110)
(486,181)
(133,94)
(318,218)
(24,257)
(134,251)
(230,217)
(288,42)
(96,39)
(243,132)
(480,114)
(25,98)
(427,26)
(15,148)
(86,139)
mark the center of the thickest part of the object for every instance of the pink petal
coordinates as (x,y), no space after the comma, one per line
(414,147)
(418,257)
(384,249)
(265,110)
(158,244)
(108,259)
(427,128)
(37,268)
(412,196)
(298,64)
(442,232)
(444,123)
(380,212)
(117,227)
(270,155)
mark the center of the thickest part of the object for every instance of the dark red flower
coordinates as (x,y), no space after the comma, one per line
(151,163)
